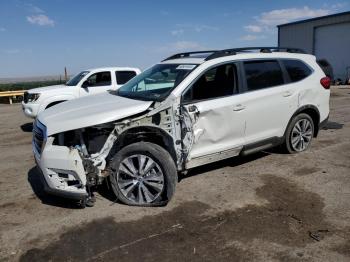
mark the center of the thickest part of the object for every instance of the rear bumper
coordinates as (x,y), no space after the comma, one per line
(62,171)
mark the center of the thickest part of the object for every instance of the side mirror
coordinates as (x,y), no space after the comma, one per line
(85,84)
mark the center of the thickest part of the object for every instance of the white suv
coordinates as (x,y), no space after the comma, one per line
(88,82)
(189,110)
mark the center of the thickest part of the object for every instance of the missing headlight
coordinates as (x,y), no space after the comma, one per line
(94,137)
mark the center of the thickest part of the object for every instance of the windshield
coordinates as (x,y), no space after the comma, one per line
(76,79)
(156,83)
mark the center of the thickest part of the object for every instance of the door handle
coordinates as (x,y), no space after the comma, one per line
(239,107)
(287,93)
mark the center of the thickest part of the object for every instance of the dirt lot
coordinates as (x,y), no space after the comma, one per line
(265,207)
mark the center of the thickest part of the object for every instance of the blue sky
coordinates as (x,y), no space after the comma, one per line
(40,37)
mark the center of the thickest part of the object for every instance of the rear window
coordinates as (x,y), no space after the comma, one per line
(297,70)
(124,76)
(263,74)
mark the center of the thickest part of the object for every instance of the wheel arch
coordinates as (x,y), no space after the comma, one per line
(53,99)
(54,103)
(146,134)
(310,110)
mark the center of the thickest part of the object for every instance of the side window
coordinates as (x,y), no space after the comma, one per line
(124,76)
(216,82)
(100,79)
(296,69)
(263,74)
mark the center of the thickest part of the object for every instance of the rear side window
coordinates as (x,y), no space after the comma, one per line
(263,74)
(296,69)
(124,76)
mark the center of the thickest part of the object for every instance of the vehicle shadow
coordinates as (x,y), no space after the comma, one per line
(27,127)
(105,190)
(35,181)
(231,162)
(333,125)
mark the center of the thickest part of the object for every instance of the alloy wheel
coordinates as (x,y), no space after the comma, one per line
(140,179)
(301,136)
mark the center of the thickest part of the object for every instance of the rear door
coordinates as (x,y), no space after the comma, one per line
(213,104)
(268,101)
(123,76)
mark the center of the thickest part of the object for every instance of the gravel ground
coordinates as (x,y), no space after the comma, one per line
(264,207)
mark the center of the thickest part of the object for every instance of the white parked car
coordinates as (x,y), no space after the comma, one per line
(189,110)
(88,82)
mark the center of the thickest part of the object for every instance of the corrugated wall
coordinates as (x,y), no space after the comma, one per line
(302,34)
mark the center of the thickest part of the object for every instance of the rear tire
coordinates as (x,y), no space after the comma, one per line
(143,174)
(299,134)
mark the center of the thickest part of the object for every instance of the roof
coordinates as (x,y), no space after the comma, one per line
(241,56)
(315,18)
(198,57)
(110,68)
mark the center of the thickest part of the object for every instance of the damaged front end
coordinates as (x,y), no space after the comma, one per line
(62,167)
(74,162)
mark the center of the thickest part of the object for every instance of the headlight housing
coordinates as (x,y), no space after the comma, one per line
(32,97)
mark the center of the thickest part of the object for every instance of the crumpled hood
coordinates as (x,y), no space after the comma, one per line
(89,111)
(46,89)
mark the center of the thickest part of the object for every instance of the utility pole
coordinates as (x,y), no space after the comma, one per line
(65,74)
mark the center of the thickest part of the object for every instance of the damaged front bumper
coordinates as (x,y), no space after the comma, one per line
(62,170)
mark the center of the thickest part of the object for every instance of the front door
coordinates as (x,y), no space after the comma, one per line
(217,116)
(96,83)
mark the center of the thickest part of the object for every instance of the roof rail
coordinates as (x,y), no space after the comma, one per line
(234,51)
(188,54)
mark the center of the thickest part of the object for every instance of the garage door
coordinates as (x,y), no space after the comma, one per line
(333,43)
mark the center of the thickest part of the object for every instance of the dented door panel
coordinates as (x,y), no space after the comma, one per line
(216,127)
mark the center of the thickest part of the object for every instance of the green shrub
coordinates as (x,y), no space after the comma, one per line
(28,85)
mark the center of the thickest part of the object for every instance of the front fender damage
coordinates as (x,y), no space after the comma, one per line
(167,120)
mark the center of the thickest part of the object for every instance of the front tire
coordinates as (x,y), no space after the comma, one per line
(299,133)
(143,174)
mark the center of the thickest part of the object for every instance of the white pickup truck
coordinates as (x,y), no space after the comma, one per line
(88,82)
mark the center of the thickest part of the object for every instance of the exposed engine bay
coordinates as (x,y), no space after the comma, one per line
(97,145)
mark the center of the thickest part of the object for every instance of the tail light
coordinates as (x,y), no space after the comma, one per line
(325,82)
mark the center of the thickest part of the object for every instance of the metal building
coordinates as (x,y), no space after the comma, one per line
(327,37)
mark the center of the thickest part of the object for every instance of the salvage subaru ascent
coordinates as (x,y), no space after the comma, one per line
(188,110)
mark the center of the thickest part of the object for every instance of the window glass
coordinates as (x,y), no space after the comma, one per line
(216,82)
(100,79)
(124,76)
(75,79)
(263,74)
(156,83)
(296,69)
